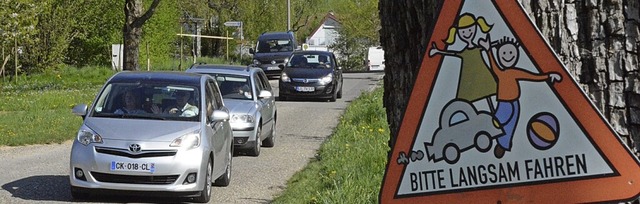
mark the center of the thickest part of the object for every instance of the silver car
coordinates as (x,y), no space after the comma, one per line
(153,133)
(248,95)
(462,128)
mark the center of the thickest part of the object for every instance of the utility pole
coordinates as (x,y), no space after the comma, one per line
(288,15)
(181,45)
(15,41)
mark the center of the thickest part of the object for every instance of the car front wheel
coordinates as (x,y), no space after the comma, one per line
(255,151)
(483,142)
(334,96)
(225,178)
(271,140)
(205,194)
(340,91)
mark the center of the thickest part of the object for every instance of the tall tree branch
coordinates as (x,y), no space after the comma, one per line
(138,22)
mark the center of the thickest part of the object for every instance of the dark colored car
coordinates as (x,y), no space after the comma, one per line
(311,74)
(273,50)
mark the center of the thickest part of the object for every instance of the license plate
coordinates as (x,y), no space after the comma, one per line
(273,68)
(305,89)
(133,166)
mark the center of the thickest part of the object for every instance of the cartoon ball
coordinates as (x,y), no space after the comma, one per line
(543,130)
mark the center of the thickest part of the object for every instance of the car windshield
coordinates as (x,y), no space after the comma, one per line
(156,101)
(274,45)
(310,61)
(235,87)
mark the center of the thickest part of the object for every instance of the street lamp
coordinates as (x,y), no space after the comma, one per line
(288,15)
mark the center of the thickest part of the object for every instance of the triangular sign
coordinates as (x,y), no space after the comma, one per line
(494,117)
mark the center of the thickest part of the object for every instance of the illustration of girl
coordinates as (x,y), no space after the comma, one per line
(476,81)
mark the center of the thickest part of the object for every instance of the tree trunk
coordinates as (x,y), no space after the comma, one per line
(596,40)
(406,29)
(598,43)
(132,31)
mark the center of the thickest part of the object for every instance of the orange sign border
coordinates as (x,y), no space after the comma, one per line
(622,185)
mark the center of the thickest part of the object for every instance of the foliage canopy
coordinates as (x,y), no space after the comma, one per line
(50,33)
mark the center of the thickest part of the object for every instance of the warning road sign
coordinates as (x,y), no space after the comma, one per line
(496,117)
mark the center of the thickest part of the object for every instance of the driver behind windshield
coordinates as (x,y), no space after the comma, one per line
(182,106)
(298,61)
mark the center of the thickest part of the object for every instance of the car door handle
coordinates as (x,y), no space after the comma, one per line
(217,125)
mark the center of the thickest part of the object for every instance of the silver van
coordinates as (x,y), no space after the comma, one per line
(153,133)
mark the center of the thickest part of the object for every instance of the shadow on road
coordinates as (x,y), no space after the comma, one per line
(56,188)
(40,188)
(304,99)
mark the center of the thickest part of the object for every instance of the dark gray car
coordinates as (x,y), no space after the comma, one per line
(273,50)
(311,74)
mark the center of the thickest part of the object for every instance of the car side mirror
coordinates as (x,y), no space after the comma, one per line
(219,115)
(252,51)
(265,94)
(80,110)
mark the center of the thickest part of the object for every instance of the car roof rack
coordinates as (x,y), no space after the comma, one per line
(196,64)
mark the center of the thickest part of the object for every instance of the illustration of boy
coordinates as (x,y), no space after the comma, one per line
(508,94)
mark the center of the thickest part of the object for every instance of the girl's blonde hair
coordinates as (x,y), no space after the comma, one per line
(466,20)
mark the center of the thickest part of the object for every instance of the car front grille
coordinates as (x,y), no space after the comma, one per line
(115,178)
(141,154)
(305,80)
(278,61)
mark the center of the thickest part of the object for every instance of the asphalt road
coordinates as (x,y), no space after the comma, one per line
(39,173)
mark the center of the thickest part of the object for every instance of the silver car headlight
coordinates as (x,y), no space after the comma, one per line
(326,79)
(284,77)
(242,118)
(190,140)
(256,62)
(88,136)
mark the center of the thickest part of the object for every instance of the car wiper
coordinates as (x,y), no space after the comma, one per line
(126,115)
(143,116)
(108,115)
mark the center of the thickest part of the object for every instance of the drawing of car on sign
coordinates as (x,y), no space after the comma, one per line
(462,127)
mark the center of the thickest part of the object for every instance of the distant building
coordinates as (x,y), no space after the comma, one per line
(325,34)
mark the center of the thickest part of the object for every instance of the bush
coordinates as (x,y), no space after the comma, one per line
(350,164)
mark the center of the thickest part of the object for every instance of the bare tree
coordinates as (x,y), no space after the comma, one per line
(299,14)
(597,42)
(132,31)
(224,5)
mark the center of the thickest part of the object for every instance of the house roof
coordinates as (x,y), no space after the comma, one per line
(326,17)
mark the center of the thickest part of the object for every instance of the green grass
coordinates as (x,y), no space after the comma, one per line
(351,163)
(36,108)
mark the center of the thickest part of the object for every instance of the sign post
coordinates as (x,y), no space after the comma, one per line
(237,24)
(495,117)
